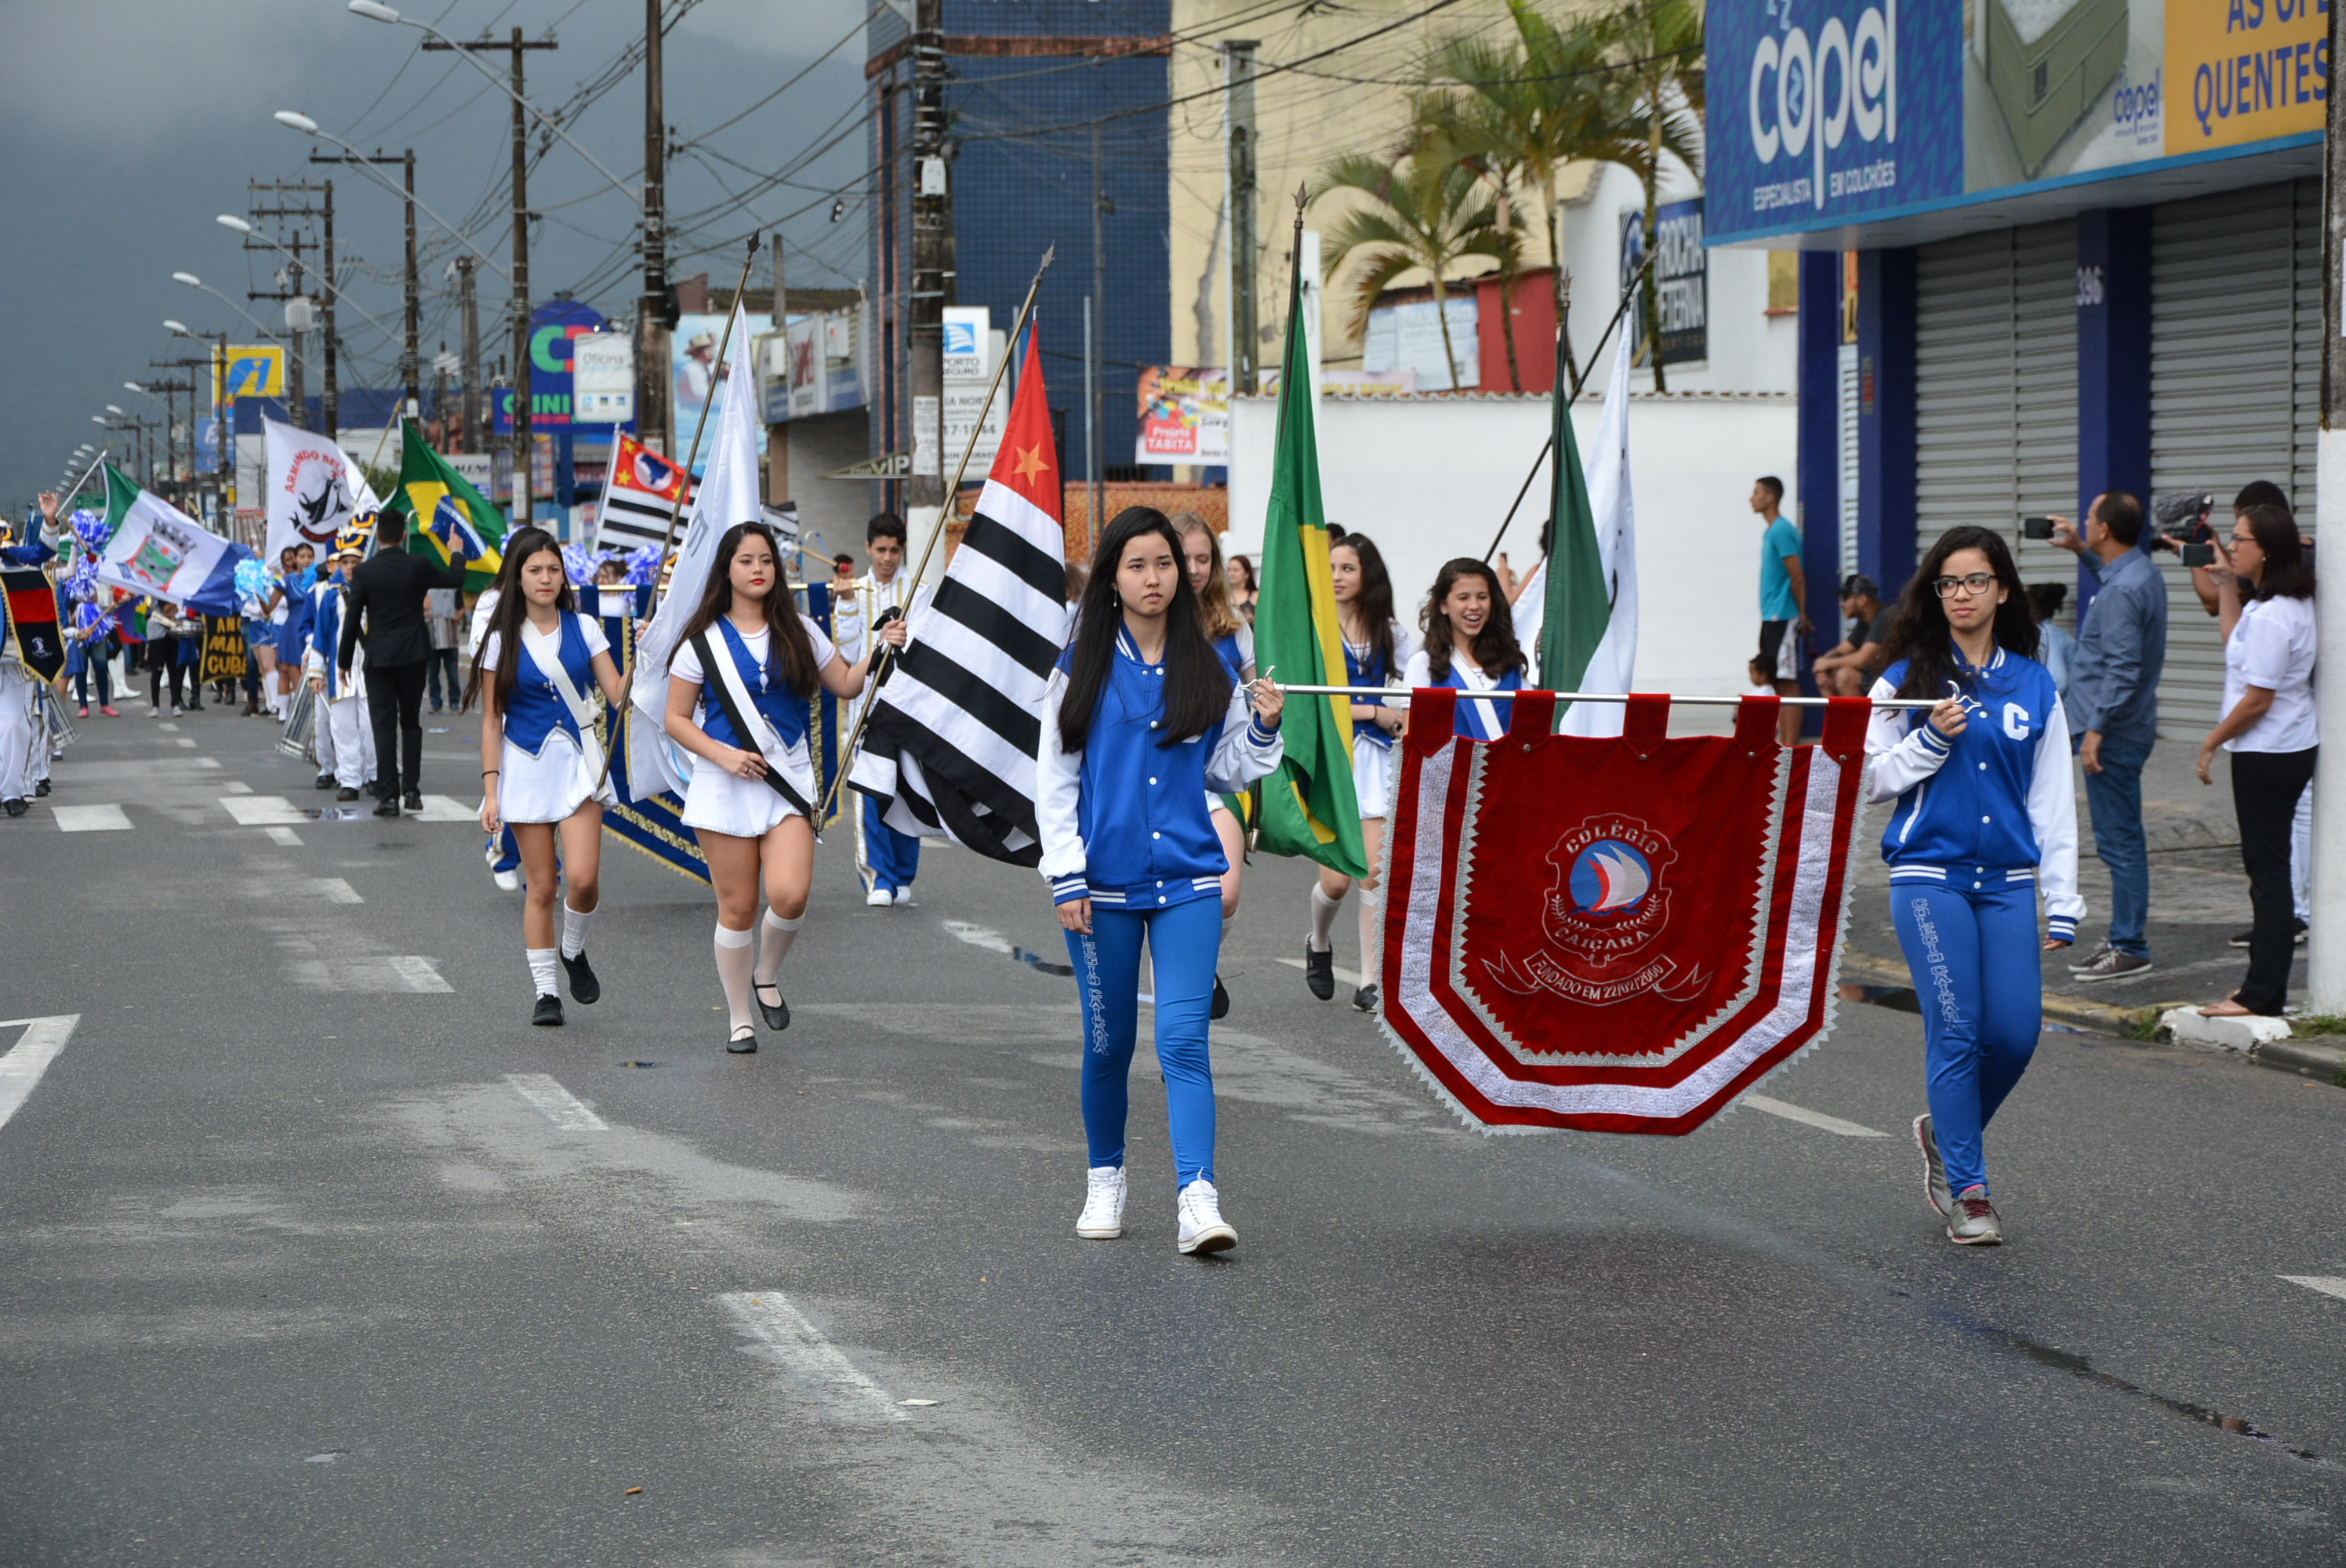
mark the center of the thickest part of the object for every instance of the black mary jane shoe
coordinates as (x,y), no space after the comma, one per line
(778,1016)
(1221,1001)
(743,1042)
(585,989)
(547,1014)
(1366,998)
(1320,971)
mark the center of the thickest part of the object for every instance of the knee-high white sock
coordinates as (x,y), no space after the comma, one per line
(778,936)
(542,970)
(1324,918)
(734,958)
(1372,935)
(574,929)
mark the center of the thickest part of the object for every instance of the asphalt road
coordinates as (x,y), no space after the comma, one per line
(312,1251)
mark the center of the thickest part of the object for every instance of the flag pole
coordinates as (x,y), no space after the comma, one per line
(953,494)
(1578,380)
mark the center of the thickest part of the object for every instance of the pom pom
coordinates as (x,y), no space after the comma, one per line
(578,563)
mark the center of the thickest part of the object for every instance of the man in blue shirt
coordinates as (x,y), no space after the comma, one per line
(2113,706)
(1783,590)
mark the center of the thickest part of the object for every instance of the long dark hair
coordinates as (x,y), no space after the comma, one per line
(1495,650)
(2285,575)
(511,613)
(1196,688)
(1920,634)
(1375,599)
(790,642)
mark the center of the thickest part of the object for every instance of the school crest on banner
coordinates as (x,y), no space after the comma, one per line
(1615,934)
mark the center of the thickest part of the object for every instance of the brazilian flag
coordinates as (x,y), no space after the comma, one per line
(444,513)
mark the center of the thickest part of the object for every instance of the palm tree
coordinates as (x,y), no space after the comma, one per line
(1656,107)
(1470,131)
(1419,213)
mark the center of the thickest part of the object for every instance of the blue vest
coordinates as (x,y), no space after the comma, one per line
(1975,810)
(1372,669)
(784,709)
(1469,721)
(535,709)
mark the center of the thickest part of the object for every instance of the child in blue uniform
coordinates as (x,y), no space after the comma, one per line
(1470,646)
(1986,821)
(542,773)
(1139,722)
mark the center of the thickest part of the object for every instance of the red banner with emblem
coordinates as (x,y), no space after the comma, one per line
(1615,934)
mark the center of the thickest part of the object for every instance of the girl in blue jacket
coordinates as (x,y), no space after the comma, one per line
(1140,721)
(1986,821)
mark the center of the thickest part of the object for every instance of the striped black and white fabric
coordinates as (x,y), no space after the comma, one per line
(638,498)
(950,746)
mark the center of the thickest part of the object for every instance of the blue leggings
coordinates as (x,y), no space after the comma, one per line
(1977,963)
(1184,942)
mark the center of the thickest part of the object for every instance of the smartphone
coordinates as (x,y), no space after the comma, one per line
(2036,528)
(2198,555)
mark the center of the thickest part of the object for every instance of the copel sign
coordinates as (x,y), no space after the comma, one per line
(1792,79)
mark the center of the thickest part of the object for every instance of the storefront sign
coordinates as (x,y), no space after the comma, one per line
(1681,282)
(1185,415)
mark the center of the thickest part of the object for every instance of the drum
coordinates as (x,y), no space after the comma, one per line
(301,737)
(55,725)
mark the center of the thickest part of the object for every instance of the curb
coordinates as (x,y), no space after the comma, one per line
(2077,1011)
(2321,1059)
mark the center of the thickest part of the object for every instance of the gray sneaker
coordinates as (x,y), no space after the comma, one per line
(1934,1169)
(2112,965)
(1973,1222)
(2091,959)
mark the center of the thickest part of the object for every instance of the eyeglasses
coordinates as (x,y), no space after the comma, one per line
(1977,583)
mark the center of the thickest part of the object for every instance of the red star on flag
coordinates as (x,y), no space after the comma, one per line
(1029,461)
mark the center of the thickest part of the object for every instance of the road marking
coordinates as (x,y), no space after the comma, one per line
(1802,1114)
(442,808)
(418,974)
(183,740)
(2327,1284)
(335,891)
(262,810)
(21,1069)
(90,820)
(782,1330)
(285,837)
(1348,976)
(556,1103)
(168,728)
(236,787)
(994,941)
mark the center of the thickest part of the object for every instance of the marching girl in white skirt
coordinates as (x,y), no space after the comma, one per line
(737,699)
(1233,640)
(1376,648)
(1469,646)
(542,769)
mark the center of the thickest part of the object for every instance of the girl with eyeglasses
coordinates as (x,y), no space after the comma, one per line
(1986,822)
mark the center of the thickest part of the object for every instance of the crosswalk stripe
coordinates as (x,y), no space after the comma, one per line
(2327,1284)
(335,891)
(784,1332)
(556,1103)
(91,819)
(1807,1117)
(21,1068)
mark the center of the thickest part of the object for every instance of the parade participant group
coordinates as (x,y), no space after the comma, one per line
(1157,730)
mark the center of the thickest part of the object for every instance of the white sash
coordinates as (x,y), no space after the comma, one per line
(717,661)
(1472,678)
(582,711)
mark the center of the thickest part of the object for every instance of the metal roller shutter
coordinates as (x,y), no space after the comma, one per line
(2236,318)
(1997,386)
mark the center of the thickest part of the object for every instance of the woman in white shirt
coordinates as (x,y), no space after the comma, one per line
(2265,603)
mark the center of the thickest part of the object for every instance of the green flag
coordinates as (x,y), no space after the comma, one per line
(1577,606)
(1309,808)
(444,513)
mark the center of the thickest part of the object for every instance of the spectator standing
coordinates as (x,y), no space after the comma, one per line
(1783,589)
(1848,670)
(384,608)
(440,608)
(164,627)
(1241,573)
(2269,727)
(2055,647)
(2113,706)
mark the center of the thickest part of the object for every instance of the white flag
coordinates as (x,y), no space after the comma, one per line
(313,489)
(1614,665)
(727,495)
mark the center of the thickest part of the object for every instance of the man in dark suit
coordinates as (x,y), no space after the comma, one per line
(386,595)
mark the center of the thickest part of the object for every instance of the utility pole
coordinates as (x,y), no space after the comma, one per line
(778,434)
(1098,329)
(932,262)
(411,370)
(651,311)
(330,406)
(2325,969)
(170,390)
(522,502)
(1237,112)
(296,380)
(468,304)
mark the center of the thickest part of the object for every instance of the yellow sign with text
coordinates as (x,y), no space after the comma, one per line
(254,369)
(2245,70)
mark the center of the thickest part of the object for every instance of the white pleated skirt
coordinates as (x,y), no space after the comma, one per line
(551,786)
(1372,775)
(726,803)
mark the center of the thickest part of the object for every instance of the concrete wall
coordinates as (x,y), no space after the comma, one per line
(1429,479)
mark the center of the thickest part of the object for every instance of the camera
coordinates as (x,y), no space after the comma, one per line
(2195,556)
(2036,528)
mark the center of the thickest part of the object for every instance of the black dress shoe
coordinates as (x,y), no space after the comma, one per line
(547,1014)
(41,790)
(415,799)
(386,809)
(1320,971)
(585,989)
(778,1016)
(743,1042)
(14,808)
(1366,999)
(1222,999)
(323,782)
(346,794)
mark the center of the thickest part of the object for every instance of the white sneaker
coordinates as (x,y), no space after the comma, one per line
(509,880)
(1203,1229)
(1103,1215)
(903,898)
(878,899)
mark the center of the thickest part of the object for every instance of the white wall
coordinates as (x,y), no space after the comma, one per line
(1430,478)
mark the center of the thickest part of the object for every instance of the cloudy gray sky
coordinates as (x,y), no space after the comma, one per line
(130,124)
